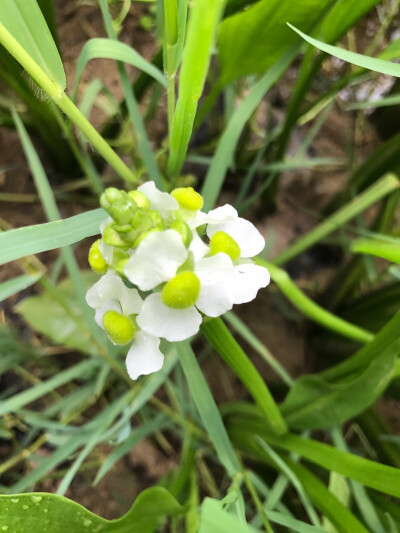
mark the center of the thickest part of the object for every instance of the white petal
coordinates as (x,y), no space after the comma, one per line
(161,201)
(103,290)
(106,251)
(144,356)
(216,274)
(249,279)
(156,260)
(226,213)
(247,236)
(198,247)
(131,302)
(171,324)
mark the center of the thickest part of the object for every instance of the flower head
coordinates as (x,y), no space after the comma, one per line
(161,275)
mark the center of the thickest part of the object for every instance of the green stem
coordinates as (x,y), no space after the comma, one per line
(53,89)
(373,194)
(313,310)
(171,37)
(221,339)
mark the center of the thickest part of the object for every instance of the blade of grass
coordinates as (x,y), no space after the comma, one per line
(12,286)
(373,194)
(313,310)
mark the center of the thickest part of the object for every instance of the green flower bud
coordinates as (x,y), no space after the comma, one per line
(140,199)
(188,198)
(156,219)
(184,231)
(222,242)
(113,238)
(141,220)
(113,195)
(96,260)
(181,291)
(118,327)
(121,212)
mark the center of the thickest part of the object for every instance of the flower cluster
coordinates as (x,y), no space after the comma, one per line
(165,265)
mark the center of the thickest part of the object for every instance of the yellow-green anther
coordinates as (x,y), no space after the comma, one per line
(156,219)
(96,260)
(140,199)
(142,236)
(118,327)
(113,238)
(184,231)
(181,291)
(222,242)
(188,198)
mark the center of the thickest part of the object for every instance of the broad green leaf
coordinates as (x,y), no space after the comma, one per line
(110,49)
(8,288)
(314,402)
(25,21)
(29,240)
(252,41)
(370,63)
(34,512)
(44,314)
(386,250)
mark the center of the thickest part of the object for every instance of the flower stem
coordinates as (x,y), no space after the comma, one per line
(222,340)
(55,92)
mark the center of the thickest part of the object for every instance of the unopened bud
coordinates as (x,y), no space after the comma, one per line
(140,199)
(113,238)
(96,260)
(184,231)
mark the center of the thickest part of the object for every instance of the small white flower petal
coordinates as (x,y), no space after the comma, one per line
(247,236)
(156,260)
(216,275)
(161,201)
(248,280)
(144,356)
(103,290)
(171,324)
(225,213)
(130,300)
(198,247)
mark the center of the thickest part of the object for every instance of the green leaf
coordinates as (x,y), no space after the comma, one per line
(203,22)
(28,513)
(370,63)
(8,288)
(386,250)
(44,314)
(214,518)
(110,49)
(20,242)
(25,21)
(314,402)
(252,41)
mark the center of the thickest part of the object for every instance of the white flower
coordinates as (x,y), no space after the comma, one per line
(216,277)
(111,294)
(156,259)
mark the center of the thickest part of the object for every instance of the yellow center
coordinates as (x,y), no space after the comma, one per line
(181,291)
(222,242)
(96,260)
(188,198)
(118,327)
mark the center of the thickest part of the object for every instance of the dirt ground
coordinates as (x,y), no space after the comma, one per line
(302,195)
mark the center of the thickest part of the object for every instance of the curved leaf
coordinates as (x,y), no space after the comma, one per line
(25,21)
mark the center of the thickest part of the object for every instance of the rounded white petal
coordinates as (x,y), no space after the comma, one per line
(156,260)
(247,236)
(161,201)
(226,213)
(198,247)
(130,300)
(144,356)
(216,275)
(103,290)
(171,324)
(248,280)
